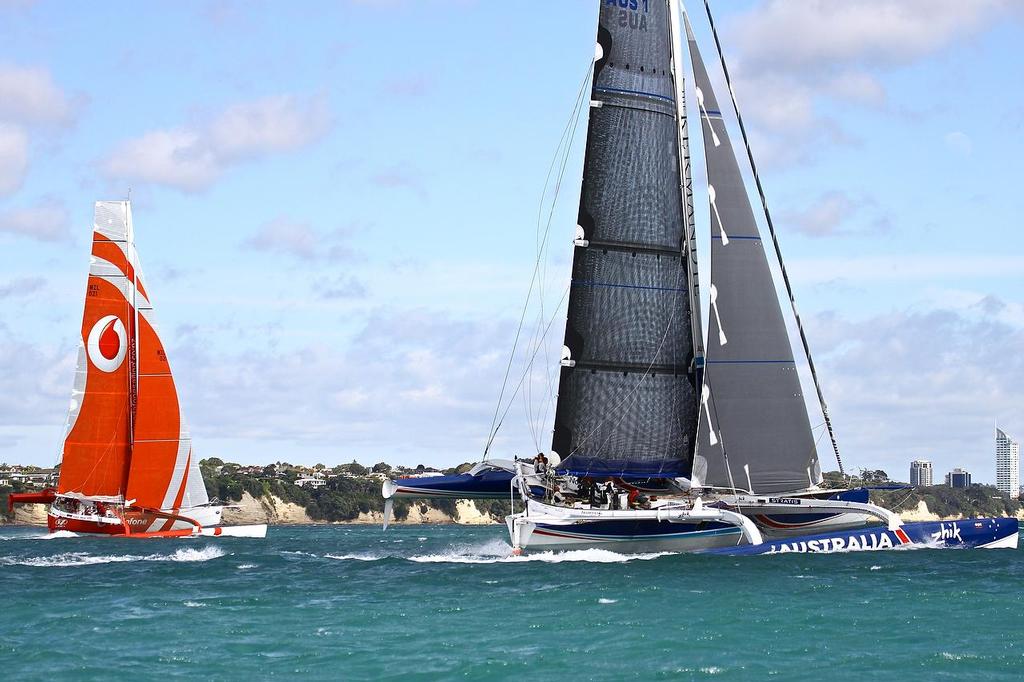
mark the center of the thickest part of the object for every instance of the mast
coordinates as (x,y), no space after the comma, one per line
(775,242)
(133,333)
(686,187)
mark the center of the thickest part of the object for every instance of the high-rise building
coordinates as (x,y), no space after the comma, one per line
(920,472)
(1007,464)
(958,478)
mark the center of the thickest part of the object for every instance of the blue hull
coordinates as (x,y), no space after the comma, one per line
(489,485)
(970,533)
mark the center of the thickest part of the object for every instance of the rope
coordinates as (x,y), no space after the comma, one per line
(775,241)
(495,422)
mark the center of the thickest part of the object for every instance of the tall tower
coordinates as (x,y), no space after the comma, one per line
(920,472)
(1007,464)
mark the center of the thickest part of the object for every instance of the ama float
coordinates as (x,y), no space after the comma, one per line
(127,465)
(664,438)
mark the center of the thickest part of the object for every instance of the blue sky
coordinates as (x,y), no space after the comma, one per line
(336,208)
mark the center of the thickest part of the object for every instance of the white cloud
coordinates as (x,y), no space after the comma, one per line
(814,35)
(21,286)
(13,158)
(833,213)
(910,385)
(47,221)
(299,240)
(29,96)
(960,143)
(905,267)
(410,381)
(793,54)
(191,158)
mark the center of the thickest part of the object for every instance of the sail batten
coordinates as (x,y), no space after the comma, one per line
(628,401)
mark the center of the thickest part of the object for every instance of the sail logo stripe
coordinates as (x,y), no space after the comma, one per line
(588,283)
(622,91)
(731,237)
(750,362)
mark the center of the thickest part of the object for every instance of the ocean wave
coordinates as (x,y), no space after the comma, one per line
(57,534)
(195,604)
(355,557)
(66,559)
(603,600)
(593,556)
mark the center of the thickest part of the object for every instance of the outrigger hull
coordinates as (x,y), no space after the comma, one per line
(981,533)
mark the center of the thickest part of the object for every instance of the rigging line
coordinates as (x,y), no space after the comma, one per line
(523,377)
(526,304)
(545,244)
(564,149)
(775,241)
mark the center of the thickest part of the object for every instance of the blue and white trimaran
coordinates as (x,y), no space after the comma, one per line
(662,441)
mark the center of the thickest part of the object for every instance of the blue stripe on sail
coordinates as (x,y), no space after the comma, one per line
(583,465)
(635,92)
(587,283)
(750,362)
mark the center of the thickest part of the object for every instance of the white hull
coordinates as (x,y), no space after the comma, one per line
(682,538)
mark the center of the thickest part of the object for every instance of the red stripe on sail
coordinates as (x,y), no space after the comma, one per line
(103,247)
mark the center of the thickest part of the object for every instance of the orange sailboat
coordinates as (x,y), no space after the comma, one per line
(127,465)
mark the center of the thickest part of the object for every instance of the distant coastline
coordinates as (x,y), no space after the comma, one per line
(283,494)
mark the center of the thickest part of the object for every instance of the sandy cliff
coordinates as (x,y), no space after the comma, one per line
(269,509)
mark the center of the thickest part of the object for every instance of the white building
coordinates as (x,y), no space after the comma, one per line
(317,480)
(920,472)
(1007,464)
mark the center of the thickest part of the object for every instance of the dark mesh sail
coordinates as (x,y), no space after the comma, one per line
(629,403)
(756,404)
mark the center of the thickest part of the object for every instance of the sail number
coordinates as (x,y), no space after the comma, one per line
(632,13)
(633,5)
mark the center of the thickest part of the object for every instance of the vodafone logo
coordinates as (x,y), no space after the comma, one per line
(108,343)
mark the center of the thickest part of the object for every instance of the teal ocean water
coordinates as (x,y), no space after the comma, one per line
(441,602)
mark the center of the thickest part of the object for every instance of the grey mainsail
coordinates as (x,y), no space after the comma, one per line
(627,398)
(755,432)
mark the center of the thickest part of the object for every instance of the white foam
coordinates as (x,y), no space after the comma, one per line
(190,554)
(242,567)
(956,657)
(355,557)
(711,670)
(59,534)
(65,559)
(194,604)
(876,568)
(594,556)
(602,600)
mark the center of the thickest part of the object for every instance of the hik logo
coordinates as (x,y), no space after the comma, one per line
(950,532)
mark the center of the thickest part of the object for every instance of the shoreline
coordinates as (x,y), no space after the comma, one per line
(276,512)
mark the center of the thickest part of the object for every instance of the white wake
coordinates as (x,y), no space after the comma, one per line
(185,554)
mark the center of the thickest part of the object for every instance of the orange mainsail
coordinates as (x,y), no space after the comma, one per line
(126,437)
